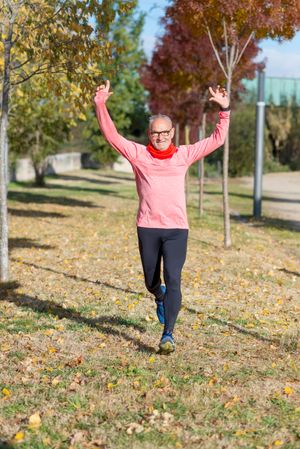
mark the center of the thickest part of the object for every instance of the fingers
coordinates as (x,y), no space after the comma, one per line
(219,91)
(107,85)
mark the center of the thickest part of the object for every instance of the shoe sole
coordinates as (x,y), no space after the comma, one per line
(166,348)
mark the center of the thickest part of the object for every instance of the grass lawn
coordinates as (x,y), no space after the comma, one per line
(79,334)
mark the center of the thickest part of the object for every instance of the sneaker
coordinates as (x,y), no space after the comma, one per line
(160,309)
(167,344)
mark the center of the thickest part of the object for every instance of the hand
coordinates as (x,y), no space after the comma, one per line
(102,92)
(219,96)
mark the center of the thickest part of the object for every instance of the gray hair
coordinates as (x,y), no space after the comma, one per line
(154,117)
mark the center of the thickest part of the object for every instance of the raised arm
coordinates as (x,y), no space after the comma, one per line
(127,148)
(206,146)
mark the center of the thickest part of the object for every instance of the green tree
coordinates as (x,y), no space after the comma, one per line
(242,140)
(127,105)
(40,122)
(54,38)
(290,154)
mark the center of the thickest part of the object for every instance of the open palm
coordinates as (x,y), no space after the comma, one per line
(102,92)
(219,96)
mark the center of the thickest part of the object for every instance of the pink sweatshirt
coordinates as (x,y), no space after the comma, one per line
(160,182)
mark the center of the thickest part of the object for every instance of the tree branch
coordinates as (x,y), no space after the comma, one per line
(216,52)
(226,43)
(238,58)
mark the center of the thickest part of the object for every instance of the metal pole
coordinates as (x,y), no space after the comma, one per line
(259,152)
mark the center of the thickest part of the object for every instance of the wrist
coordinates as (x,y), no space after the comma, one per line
(225,109)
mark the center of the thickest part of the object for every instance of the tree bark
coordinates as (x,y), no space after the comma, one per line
(4,264)
(201,179)
(39,166)
(226,211)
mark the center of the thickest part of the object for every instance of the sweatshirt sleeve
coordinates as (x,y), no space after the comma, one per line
(206,146)
(125,147)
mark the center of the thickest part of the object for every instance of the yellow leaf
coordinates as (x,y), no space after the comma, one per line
(34,421)
(5,347)
(278,443)
(52,350)
(6,392)
(19,436)
(55,381)
(110,386)
(213,381)
(152,359)
(240,432)
(288,391)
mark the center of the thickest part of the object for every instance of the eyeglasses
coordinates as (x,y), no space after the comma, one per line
(160,133)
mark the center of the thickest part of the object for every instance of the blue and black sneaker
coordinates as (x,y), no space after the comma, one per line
(167,344)
(160,309)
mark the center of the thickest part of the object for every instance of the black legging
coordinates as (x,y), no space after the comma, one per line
(169,244)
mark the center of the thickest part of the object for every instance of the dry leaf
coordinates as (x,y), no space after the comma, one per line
(34,421)
(134,427)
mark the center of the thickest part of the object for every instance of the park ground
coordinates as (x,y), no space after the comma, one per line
(79,335)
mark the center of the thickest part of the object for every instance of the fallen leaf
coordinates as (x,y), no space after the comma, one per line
(288,391)
(6,392)
(34,421)
(134,427)
(75,362)
(19,437)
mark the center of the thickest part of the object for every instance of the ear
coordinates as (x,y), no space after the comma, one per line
(172,133)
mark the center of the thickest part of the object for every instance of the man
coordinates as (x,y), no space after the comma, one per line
(162,225)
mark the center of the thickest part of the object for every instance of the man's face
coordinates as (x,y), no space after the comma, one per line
(161,133)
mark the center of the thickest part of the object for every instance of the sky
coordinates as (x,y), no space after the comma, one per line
(282,60)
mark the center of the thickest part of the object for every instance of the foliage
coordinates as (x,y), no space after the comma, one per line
(276,20)
(57,37)
(242,141)
(127,104)
(283,132)
(40,122)
(182,68)
(290,154)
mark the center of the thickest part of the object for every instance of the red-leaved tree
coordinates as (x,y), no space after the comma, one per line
(231,28)
(181,69)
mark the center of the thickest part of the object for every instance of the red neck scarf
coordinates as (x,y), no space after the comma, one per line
(162,154)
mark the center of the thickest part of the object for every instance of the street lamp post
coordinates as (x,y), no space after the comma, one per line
(259,153)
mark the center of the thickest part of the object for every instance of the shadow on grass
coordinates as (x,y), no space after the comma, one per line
(105,324)
(77,278)
(6,445)
(293,273)
(81,178)
(277,223)
(238,328)
(249,196)
(34,213)
(31,197)
(100,191)
(26,243)
(123,178)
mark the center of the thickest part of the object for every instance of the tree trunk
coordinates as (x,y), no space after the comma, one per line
(4,265)
(39,166)
(201,177)
(226,211)
(187,176)
(39,175)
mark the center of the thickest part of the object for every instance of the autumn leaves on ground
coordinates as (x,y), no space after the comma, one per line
(79,335)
